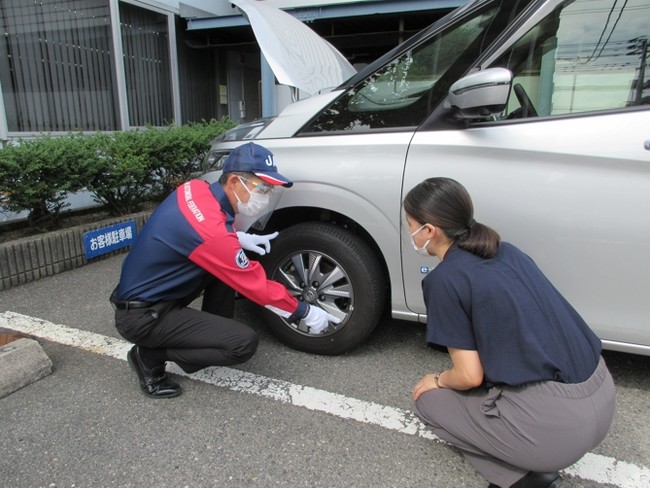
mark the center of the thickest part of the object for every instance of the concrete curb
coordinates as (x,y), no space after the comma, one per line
(22,362)
(32,258)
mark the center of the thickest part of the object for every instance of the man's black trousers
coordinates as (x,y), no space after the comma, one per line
(193,339)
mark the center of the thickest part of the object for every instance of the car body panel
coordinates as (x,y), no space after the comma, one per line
(563,172)
(296,54)
(344,180)
(575,201)
(292,118)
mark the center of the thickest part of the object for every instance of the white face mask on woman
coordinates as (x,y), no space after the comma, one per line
(256,203)
(422,251)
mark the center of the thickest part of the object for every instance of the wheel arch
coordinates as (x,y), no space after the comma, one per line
(288,216)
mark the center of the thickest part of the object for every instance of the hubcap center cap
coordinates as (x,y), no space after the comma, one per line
(310,295)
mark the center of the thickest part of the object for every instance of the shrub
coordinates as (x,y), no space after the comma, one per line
(122,170)
(38,174)
(146,165)
(120,178)
(176,152)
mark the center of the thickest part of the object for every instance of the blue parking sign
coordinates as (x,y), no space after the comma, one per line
(108,239)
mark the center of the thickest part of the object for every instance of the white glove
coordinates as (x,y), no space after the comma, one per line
(259,244)
(318,319)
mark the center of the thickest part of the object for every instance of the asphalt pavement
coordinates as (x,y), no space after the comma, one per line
(284,418)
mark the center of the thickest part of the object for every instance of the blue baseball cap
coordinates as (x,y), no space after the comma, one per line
(253,158)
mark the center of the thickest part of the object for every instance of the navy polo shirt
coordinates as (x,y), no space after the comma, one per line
(508,311)
(189,237)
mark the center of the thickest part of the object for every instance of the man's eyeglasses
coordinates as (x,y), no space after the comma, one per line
(259,186)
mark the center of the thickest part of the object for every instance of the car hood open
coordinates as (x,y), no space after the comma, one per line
(297,55)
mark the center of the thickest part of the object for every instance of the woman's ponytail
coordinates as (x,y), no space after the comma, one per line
(446,204)
(480,240)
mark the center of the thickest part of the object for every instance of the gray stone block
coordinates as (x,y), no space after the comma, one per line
(21,363)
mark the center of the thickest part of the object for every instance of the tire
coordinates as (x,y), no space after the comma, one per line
(324,252)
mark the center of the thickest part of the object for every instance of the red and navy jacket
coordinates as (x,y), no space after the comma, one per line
(189,236)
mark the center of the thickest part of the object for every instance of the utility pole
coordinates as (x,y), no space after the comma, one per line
(639,45)
(641,83)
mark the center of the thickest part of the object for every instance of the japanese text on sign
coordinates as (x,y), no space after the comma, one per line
(108,239)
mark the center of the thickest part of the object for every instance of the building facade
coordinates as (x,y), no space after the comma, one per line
(111,65)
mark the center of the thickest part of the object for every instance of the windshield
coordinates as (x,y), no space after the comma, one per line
(405,90)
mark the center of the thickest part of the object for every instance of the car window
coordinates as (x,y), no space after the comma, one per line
(588,55)
(403,92)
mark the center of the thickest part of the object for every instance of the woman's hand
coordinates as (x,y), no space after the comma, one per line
(425,384)
(465,374)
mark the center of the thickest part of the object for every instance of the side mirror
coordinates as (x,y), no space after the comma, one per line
(481,94)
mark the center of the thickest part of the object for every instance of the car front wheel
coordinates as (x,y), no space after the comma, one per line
(330,267)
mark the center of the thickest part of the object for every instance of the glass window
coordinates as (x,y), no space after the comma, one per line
(147,70)
(403,92)
(588,55)
(56,66)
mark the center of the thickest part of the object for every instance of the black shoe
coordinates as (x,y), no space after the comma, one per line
(536,480)
(153,381)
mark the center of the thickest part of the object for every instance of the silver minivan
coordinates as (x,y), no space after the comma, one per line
(541,108)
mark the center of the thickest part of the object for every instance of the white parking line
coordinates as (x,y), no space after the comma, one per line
(593,467)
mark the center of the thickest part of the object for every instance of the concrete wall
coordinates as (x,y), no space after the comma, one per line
(33,258)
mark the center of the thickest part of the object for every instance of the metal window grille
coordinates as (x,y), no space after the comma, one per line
(147,69)
(58,71)
(56,66)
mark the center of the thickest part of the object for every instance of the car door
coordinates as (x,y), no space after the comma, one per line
(564,171)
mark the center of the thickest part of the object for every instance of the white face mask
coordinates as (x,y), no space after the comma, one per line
(422,251)
(256,203)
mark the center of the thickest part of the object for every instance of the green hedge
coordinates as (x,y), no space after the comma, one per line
(122,170)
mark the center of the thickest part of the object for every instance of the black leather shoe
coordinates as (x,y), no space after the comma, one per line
(153,381)
(536,480)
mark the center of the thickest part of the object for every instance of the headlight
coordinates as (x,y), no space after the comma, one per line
(245,132)
(214,160)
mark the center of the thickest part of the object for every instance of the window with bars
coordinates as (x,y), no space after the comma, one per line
(58,69)
(56,66)
(145,42)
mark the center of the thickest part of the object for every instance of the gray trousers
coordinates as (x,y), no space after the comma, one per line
(506,432)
